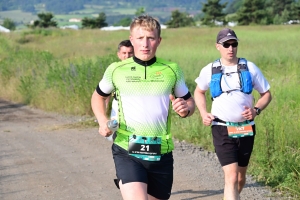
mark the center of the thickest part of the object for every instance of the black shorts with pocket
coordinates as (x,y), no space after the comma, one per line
(158,175)
(232,150)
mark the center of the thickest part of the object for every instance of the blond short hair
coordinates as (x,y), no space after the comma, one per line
(147,22)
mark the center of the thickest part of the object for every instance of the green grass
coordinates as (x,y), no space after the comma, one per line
(57,70)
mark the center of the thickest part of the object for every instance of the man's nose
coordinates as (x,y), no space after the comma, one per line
(145,42)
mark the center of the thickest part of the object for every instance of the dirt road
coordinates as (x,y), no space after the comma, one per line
(43,157)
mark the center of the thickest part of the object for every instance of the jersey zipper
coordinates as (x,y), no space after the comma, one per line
(146,71)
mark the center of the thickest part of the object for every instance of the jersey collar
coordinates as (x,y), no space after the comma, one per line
(144,63)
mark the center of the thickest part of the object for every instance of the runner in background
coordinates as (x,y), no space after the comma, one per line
(233,109)
(125,50)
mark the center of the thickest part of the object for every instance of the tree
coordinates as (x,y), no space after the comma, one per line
(140,11)
(179,19)
(284,10)
(276,19)
(279,6)
(98,22)
(233,6)
(124,22)
(295,11)
(9,24)
(252,12)
(45,20)
(213,12)
(285,16)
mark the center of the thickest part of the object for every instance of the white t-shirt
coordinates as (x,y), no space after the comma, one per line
(229,106)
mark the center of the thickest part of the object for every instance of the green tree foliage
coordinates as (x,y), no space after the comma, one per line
(179,19)
(278,6)
(284,10)
(295,11)
(124,22)
(45,21)
(98,22)
(285,16)
(234,6)
(276,19)
(252,12)
(213,12)
(140,11)
(9,24)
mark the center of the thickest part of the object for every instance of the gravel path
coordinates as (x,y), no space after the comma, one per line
(43,156)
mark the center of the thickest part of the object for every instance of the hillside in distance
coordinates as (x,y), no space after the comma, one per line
(26,11)
(61,7)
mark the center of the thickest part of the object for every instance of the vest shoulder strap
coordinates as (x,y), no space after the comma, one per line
(242,65)
(216,67)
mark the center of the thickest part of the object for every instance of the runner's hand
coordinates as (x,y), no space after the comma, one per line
(248,113)
(207,119)
(179,105)
(104,130)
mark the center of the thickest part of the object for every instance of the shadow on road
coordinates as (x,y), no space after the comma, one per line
(8,106)
(202,193)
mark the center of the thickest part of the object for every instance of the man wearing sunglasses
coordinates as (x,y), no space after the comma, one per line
(231,81)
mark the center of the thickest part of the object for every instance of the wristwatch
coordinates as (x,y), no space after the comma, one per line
(258,110)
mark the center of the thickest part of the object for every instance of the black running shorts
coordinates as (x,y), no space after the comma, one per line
(232,150)
(158,175)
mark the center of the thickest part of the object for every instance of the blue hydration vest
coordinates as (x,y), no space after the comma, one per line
(244,75)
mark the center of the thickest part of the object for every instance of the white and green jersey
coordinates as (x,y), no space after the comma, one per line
(143,90)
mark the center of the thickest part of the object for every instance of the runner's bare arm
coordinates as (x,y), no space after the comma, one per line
(99,108)
(200,100)
(264,100)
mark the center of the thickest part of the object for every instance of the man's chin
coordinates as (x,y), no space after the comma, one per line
(145,57)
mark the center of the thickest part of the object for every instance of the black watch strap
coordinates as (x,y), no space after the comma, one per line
(258,110)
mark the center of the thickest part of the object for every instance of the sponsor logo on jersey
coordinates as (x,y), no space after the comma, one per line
(157,75)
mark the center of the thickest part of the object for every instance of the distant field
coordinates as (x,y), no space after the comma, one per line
(23,18)
(124,11)
(94,7)
(18,16)
(84,11)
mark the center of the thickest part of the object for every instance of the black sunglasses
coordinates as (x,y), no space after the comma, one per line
(227,45)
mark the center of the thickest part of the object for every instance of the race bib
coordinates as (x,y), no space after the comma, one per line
(145,148)
(239,129)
